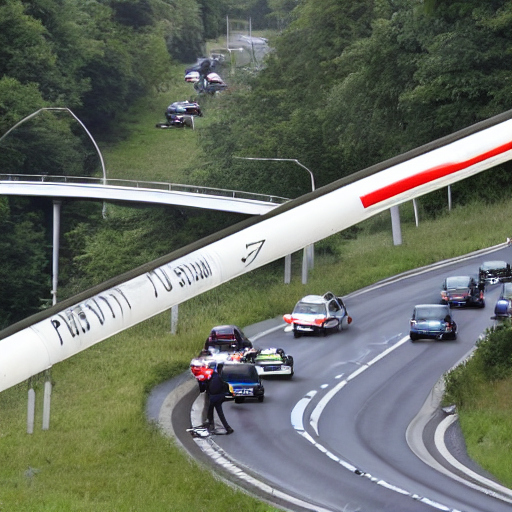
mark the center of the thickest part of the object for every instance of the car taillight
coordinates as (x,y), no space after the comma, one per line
(448,326)
(320,321)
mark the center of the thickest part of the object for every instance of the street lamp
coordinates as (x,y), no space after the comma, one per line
(308,257)
(57,204)
(282,160)
(78,120)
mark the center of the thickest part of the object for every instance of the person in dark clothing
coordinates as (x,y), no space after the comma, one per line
(216,390)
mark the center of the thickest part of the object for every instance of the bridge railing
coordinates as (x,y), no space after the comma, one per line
(157,185)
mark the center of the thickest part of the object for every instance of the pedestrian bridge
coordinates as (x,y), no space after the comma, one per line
(138,191)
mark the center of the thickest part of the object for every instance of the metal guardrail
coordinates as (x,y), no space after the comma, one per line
(167,187)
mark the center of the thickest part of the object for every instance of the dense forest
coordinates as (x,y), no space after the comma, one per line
(346,85)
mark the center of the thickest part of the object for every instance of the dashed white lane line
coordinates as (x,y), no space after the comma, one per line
(315,415)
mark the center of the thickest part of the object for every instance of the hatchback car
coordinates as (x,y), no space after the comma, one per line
(432,321)
(318,314)
(244,380)
(227,338)
(462,291)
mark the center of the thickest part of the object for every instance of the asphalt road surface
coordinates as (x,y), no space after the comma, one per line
(334,437)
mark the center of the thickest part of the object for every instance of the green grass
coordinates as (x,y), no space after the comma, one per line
(101,454)
(153,154)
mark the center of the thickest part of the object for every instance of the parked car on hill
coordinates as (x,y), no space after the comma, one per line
(432,321)
(318,314)
(462,291)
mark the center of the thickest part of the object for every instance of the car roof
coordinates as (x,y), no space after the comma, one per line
(224,329)
(432,306)
(458,279)
(493,264)
(313,299)
(239,368)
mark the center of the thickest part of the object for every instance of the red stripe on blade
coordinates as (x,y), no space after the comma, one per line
(427,176)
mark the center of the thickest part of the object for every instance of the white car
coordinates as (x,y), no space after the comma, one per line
(271,361)
(315,314)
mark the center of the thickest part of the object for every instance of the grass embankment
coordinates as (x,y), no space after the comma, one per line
(100,453)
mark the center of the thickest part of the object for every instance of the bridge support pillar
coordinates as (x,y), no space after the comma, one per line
(287,269)
(31,408)
(395,225)
(55,260)
(174,319)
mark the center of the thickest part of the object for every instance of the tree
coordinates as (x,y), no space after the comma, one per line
(24,272)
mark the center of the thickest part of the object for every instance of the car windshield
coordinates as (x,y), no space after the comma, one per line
(240,373)
(427,313)
(507,291)
(306,308)
(215,348)
(492,265)
(457,282)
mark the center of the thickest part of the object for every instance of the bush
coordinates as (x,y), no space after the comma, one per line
(495,352)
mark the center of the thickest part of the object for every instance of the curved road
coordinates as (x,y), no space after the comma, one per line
(334,437)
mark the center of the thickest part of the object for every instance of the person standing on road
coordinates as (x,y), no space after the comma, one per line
(216,389)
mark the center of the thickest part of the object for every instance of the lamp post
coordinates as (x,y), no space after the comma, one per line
(56,210)
(308,257)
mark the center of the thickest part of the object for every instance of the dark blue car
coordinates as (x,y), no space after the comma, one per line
(245,381)
(432,321)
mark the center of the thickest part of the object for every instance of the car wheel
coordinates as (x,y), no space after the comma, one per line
(260,398)
(482,304)
(239,400)
(413,336)
(296,334)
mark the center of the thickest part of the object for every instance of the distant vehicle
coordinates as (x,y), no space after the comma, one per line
(244,380)
(318,314)
(192,77)
(189,108)
(210,84)
(462,291)
(432,321)
(270,362)
(204,75)
(493,272)
(180,114)
(503,307)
